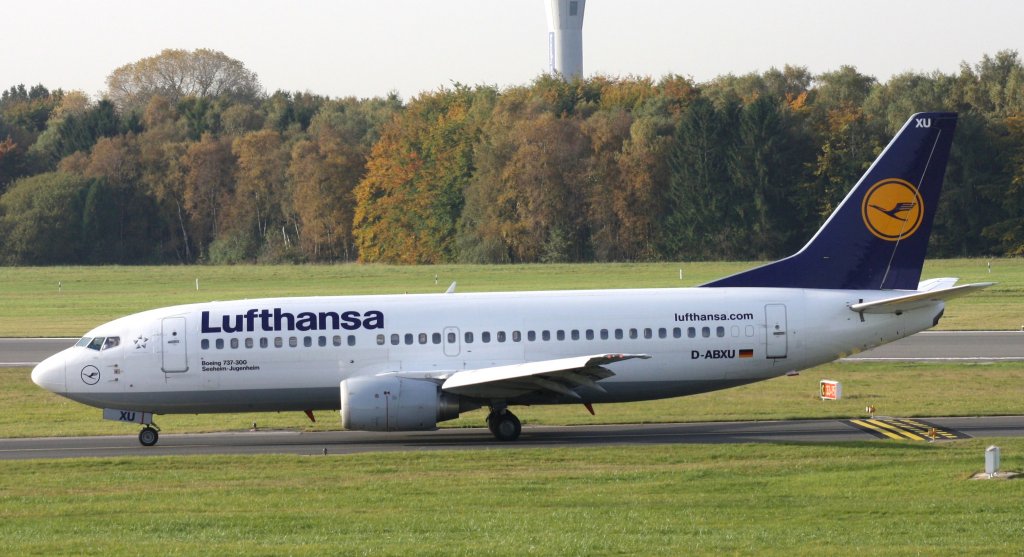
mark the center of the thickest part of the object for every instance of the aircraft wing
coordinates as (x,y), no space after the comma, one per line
(919,299)
(557,376)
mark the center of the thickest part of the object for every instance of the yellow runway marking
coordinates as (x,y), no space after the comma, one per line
(903,429)
(866,425)
(894,427)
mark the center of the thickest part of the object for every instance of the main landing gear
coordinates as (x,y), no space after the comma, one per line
(504,424)
(149,435)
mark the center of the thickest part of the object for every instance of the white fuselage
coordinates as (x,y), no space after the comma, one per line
(292,353)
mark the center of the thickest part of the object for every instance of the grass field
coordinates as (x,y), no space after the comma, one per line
(895,389)
(863,499)
(32,305)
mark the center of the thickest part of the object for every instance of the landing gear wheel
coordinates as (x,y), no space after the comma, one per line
(148,436)
(491,421)
(505,426)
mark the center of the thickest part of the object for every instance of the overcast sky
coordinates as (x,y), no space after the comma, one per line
(367,48)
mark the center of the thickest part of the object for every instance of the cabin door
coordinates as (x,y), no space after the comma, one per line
(777,337)
(175,352)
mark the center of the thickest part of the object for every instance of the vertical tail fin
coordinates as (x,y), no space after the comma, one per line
(877,237)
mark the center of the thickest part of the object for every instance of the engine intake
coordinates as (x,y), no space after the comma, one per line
(388,403)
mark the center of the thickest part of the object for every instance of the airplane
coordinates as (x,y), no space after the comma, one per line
(407,362)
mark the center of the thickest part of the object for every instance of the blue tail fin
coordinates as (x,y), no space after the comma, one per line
(877,237)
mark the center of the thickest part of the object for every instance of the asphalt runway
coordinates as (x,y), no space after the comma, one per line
(350,442)
(926,346)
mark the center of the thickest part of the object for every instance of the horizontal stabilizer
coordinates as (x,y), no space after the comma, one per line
(918,299)
(558,376)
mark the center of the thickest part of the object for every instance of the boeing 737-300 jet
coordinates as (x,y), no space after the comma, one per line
(407,362)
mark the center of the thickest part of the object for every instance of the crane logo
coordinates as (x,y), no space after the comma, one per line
(892,209)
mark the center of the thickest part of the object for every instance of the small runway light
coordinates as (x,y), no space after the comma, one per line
(870,411)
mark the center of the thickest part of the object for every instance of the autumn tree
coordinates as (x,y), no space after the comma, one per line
(260,195)
(208,169)
(176,74)
(409,203)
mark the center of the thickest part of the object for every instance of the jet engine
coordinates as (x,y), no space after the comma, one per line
(389,403)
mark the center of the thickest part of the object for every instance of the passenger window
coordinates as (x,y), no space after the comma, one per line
(590,334)
(219,343)
(632,333)
(501,336)
(469,337)
(321,341)
(395,339)
(531,336)
(351,340)
(485,336)
(451,337)
(380,340)
(677,332)
(618,334)
(705,332)
(574,334)
(248,342)
(423,338)
(604,334)
(205,344)
(111,342)
(408,338)
(436,338)
(517,336)
(308,341)
(234,343)
(560,335)
(293,341)
(263,342)
(691,332)
(545,335)
(750,330)
(337,340)
(720,331)
(278,342)
(648,333)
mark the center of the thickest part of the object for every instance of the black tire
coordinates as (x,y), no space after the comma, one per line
(148,437)
(491,422)
(506,427)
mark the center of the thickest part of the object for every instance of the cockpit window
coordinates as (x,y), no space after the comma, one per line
(84,342)
(96,343)
(111,342)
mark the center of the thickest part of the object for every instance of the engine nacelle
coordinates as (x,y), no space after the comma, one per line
(388,403)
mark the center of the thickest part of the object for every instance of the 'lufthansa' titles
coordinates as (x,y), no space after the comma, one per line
(278,320)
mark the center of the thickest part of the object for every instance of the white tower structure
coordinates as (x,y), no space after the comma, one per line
(565,37)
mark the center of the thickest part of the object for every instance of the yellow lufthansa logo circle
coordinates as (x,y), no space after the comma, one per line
(892,209)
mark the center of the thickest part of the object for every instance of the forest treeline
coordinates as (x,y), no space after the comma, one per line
(186,160)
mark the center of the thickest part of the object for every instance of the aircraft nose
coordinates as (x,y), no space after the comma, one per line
(49,374)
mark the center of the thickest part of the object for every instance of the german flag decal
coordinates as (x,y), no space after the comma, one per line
(746,353)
